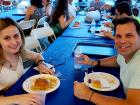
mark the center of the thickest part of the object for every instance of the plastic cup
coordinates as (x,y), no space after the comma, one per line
(43,95)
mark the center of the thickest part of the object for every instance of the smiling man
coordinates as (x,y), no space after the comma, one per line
(127,42)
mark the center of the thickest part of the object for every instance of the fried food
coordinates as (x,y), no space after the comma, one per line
(44,84)
(76,24)
(96,84)
(41,83)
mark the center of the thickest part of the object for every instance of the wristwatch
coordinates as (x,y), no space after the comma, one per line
(97,63)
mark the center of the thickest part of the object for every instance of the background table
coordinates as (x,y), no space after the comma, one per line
(14,14)
(83,30)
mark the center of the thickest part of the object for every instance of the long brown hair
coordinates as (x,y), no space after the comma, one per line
(4,23)
(61,9)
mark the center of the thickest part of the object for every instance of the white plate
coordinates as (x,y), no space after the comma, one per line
(48,65)
(29,82)
(72,27)
(108,81)
(99,34)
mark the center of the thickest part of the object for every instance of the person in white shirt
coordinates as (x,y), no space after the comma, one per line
(127,42)
(48,7)
(12,53)
(72,9)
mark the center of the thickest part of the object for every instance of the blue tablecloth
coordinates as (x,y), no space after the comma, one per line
(61,51)
(13,14)
(83,30)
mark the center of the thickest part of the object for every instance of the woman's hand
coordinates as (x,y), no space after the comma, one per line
(24,99)
(91,9)
(44,69)
(85,60)
(82,91)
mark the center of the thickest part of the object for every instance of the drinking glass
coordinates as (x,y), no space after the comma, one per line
(43,95)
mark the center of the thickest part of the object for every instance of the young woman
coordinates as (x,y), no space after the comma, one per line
(60,18)
(12,53)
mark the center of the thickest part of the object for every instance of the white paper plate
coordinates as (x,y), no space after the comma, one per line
(73,27)
(99,34)
(48,65)
(28,83)
(108,81)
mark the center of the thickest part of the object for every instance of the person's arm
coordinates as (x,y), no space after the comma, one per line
(83,92)
(39,60)
(63,22)
(133,97)
(109,24)
(49,10)
(91,9)
(107,62)
(29,12)
(108,34)
(24,99)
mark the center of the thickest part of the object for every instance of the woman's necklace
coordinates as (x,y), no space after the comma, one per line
(13,65)
(12,62)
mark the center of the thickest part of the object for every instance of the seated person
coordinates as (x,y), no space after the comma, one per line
(127,42)
(108,34)
(122,9)
(111,9)
(48,7)
(96,5)
(60,18)
(35,11)
(12,53)
(71,9)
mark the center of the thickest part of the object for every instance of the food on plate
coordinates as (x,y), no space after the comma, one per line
(96,84)
(76,24)
(41,83)
(101,81)
(111,81)
(44,84)
(102,31)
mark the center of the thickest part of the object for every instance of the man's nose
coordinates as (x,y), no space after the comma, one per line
(123,41)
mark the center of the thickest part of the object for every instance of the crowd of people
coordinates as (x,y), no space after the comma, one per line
(126,27)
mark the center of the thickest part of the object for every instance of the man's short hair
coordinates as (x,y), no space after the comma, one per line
(126,20)
(124,7)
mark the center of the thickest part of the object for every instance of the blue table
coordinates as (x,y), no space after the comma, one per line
(14,14)
(62,51)
(82,31)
